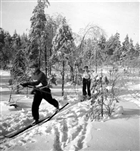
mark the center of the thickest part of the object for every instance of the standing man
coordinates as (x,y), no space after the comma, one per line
(86,82)
(40,91)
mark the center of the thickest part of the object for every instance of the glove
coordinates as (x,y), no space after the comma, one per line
(24,84)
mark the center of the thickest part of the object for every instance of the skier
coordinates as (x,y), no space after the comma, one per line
(40,91)
(86,83)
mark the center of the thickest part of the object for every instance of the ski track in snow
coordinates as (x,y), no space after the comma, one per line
(71,128)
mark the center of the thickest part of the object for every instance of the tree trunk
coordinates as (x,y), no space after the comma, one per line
(63,76)
(96,61)
(72,73)
(102,98)
(50,66)
(45,55)
(40,54)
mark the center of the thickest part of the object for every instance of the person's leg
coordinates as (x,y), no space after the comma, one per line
(84,87)
(35,105)
(88,88)
(48,97)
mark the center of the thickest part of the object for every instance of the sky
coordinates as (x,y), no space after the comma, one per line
(112,16)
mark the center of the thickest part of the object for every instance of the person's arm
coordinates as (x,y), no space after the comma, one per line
(89,75)
(34,83)
(83,74)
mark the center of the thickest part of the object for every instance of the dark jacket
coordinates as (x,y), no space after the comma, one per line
(38,78)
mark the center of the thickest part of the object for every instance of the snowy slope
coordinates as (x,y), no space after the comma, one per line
(69,125)
(70,130)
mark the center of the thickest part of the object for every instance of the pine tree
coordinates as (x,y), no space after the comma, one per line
(101,54)
(117,48)
(61,47)
(126,44)
(137,48)
(113,48)
(51,26)
(18,70)
(137,56)
(131,55)
(5,49)
(125,48)
(2,43)
(16,41)
(38,21)
(16,44)
(125,51)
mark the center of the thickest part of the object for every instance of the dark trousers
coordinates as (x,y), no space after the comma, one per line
(38,96)
(86,85)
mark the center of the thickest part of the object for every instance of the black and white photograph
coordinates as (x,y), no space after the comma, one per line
(69,75)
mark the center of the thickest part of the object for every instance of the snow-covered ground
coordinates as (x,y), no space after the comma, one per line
(71,129)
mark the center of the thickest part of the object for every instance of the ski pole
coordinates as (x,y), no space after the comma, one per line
(40,89)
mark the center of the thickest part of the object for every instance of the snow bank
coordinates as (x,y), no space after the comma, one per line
(4,73)
(4,89)
(134,87)
(69,130)
(135,98)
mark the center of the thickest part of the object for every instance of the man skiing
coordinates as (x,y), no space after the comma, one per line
(40,91)
(86,82)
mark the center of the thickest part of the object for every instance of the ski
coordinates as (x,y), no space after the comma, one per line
(44,120)
(17,132)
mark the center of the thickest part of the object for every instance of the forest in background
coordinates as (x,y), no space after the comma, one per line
(52,43)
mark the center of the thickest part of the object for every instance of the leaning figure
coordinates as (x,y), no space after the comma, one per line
(40,91)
